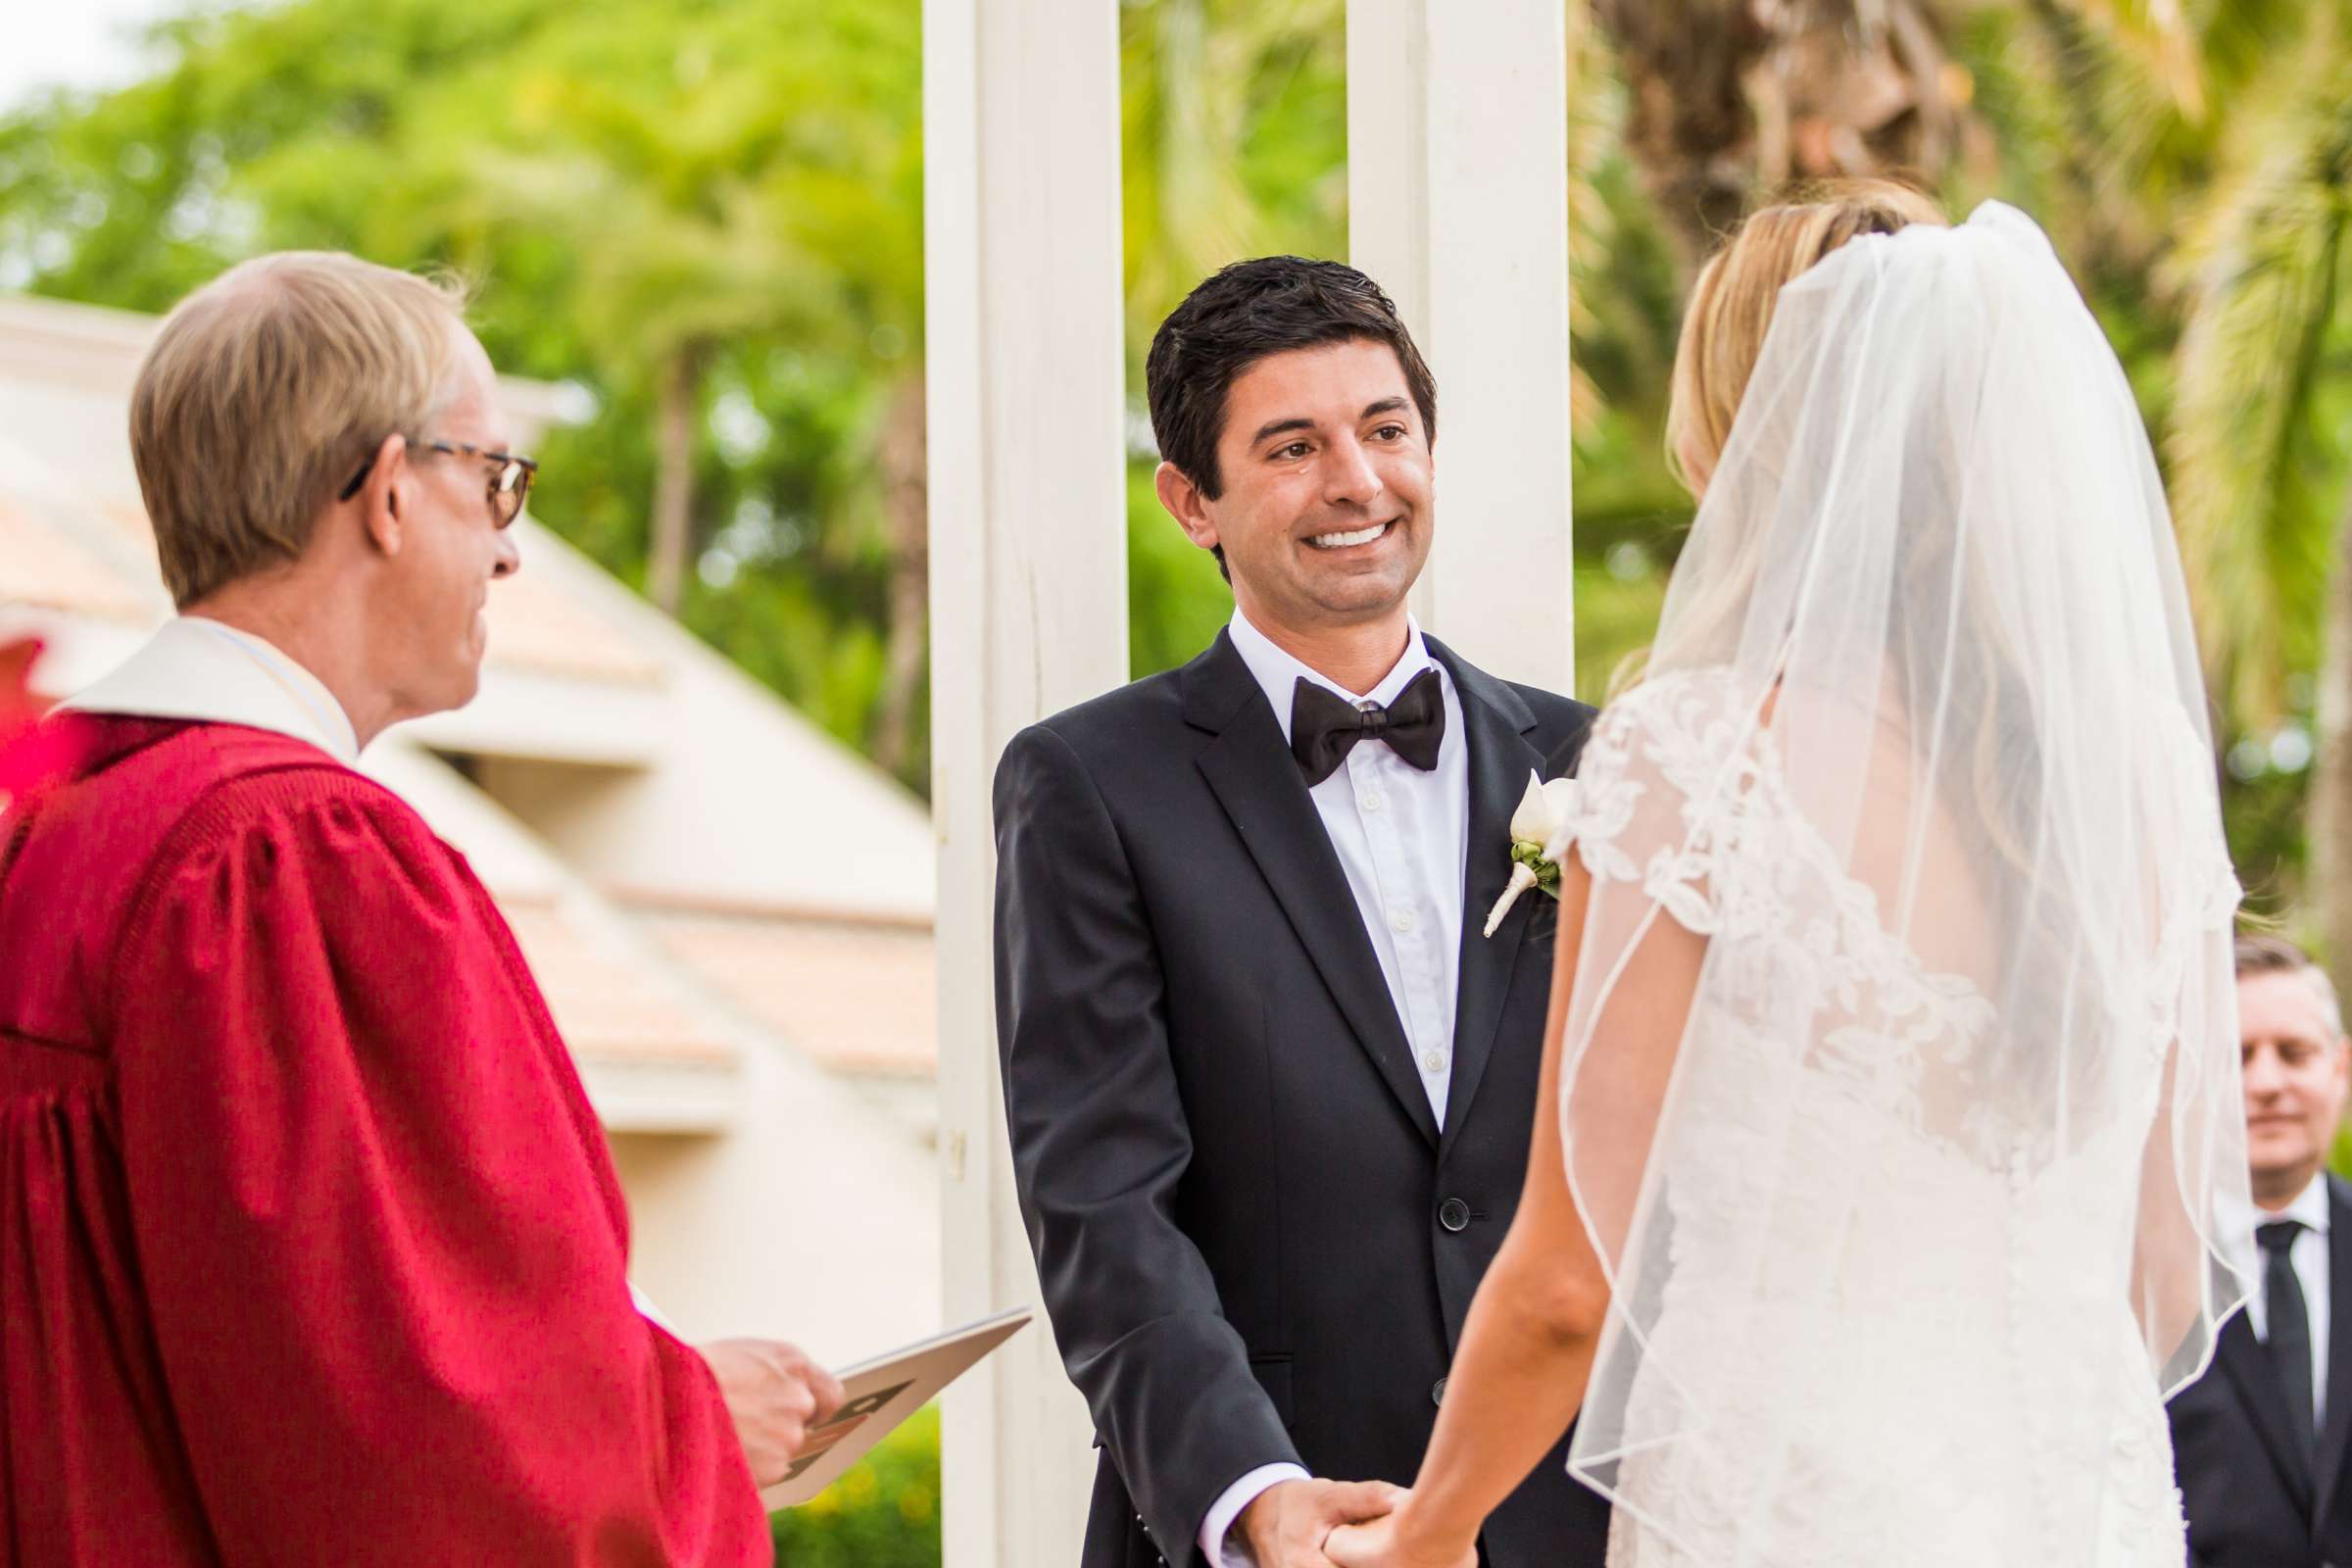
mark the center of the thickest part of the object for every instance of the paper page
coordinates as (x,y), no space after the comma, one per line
(879,1394)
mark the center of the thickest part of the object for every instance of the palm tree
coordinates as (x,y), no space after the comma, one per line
(2200,161)
(2260,489)
(1201,80)
(1730,97)
(775,205)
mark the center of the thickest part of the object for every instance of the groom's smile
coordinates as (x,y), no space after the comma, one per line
(1349,539)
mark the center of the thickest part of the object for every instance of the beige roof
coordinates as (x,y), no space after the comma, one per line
(42,566)
(604,1005)
(857,995)
(533,626)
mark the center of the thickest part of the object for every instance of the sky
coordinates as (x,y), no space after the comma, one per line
(72,43)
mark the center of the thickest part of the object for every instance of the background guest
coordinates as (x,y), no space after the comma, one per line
(2261,1441)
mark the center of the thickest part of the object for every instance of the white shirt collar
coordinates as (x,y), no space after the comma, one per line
(198,669)
(1278,673)
(2237,1221)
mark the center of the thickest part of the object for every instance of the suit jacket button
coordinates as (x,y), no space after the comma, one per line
(1455,1214)
(1437,1391)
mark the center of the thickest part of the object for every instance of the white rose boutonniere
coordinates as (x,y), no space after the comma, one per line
(1541,817)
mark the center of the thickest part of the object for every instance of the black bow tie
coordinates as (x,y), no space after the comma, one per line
(1325,726)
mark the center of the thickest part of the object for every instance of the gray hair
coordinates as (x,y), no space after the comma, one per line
(266,390)
(2258,953)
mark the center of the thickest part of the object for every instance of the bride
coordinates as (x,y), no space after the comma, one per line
(1893,1041)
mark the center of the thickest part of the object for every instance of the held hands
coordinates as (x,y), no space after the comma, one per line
(775,1393)
(1287,1523)
(1383,1544)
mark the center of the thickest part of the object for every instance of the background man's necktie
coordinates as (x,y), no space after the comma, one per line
(1325,726)
(2290,1325)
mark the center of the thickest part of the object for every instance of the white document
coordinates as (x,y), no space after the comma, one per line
(880,1394)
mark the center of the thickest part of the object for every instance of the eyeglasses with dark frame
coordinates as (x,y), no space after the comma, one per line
(511,476)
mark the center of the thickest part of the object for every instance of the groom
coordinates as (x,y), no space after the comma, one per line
(1270,1089)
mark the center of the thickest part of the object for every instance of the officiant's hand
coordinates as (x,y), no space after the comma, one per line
(775,1393)
(1287,1523)
(1382,1543)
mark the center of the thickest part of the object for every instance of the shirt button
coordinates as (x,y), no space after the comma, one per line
(1437,1391)
(1401,921)
(1368,801)
(1434,1061)
(1455,1214)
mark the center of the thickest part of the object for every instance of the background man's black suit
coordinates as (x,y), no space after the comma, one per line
(1255,1243)
(2252,1499)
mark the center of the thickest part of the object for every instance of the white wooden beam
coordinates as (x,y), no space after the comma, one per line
(1457,199)
(1028,615)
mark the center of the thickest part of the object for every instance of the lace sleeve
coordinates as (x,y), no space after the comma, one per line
(1658,804)
(1661,791)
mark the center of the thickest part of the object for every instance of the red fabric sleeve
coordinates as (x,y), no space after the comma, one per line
(376,1220)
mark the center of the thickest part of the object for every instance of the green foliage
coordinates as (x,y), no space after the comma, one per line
(884,1513)
(2257,449)
(1234,142)
(2196,162)
(738,183)
(621,181)
(1176,600)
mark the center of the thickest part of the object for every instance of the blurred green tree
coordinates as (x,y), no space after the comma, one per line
(2196,163)
(1234,143)
(704,214)
(2262,405)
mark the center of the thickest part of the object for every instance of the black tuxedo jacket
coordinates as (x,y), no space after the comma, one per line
(1256,1245)
(2253,1501)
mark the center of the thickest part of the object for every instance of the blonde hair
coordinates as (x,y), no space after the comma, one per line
(265,391)
(1729,313)
(1732,303)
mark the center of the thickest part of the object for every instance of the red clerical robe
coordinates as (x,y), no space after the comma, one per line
(311,1250)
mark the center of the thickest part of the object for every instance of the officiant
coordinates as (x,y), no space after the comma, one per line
(2263,1442)
(311,1245)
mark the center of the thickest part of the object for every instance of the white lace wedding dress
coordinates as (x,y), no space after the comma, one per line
(1900,1072)
(1878,1300)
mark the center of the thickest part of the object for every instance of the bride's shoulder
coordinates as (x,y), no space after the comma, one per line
(1708,703)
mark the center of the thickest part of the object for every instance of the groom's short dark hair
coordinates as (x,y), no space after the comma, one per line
(1246,312)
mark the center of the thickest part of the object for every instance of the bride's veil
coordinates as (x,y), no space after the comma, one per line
(1918,794)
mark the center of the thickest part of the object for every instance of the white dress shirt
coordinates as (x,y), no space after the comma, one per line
(2235,1225)
(1402,837)
(201,669)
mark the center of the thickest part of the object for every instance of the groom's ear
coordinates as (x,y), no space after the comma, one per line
(1186,504)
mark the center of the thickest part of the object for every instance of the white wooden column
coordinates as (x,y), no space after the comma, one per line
(1457,199)
(1028,616)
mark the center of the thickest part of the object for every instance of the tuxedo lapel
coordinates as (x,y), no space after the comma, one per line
(1257,782)
(2250,1369)
(1497,720)
(2336,1435)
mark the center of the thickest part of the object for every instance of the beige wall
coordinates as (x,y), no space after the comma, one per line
(748,802)
(816,1220)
